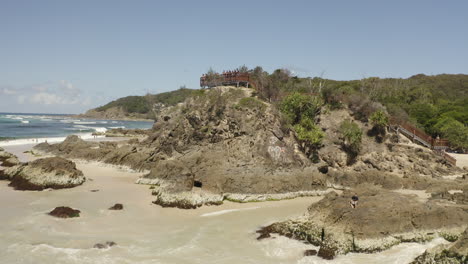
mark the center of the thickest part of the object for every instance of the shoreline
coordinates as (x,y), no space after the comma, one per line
(117,184)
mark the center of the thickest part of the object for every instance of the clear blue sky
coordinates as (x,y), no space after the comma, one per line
(69,56)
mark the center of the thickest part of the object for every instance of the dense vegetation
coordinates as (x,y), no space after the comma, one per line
(144,104)
(438,104)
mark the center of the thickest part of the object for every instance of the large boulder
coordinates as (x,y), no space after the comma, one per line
(55,173)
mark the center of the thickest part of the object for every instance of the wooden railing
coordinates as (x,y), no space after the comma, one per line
(417,135)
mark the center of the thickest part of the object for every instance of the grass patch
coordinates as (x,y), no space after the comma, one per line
(251,103)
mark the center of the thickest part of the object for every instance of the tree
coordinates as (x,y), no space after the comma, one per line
(454,131)
(243,69)
(379,119)
(297,106)
(308,132)
(352,136)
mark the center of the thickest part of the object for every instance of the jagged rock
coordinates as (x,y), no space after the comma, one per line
(64,212)
(326,253)
(7,159)
(454,254)
(119,132)
(310,252)
(55,173)
(107,244)
(116,206)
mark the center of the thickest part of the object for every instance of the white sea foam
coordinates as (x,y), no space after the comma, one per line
(403,253)
(69,120)
(26,141)
(116,127)
(25,121)
(227,211)
(97,129)
(84,123)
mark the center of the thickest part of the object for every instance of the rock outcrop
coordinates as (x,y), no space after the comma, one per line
(214,143)
(55,173)
(7,159)
(381,219)
(64,212)
(134,133)
(452,254)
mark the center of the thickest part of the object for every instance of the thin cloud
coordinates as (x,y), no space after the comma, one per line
(62,92)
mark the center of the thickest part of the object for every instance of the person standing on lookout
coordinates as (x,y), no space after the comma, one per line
(354,200)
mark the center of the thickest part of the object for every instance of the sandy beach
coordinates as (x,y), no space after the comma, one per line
(147,233)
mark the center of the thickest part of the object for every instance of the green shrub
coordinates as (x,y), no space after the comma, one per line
(379,119)
(307,131)
(352,136)
(297,106)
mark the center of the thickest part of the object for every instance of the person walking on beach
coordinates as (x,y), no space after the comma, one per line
(354,200)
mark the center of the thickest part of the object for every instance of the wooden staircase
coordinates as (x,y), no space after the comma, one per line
(418,136)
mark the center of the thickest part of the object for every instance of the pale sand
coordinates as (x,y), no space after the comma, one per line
(462,159)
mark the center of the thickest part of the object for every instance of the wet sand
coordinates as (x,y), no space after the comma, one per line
(147,233)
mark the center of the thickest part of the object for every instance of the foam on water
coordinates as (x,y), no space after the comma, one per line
(402,253)
(16,142)
(84,123)
(227,211)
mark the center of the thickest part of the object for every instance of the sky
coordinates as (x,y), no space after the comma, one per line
(70,56)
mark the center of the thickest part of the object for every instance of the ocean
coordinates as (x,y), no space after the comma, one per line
(16,128)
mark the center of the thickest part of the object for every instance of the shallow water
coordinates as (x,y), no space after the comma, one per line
(146,233)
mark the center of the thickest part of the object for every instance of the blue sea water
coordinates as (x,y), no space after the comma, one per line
(15,126)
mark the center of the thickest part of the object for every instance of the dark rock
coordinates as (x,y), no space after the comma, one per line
(266,231)
(96,190)
(176,204)
(108,244)
(64,212)
(326,253)
(310,252)
(323,169)
(116,206)
(3,176)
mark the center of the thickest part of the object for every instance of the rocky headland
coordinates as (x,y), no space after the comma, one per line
(226,144)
